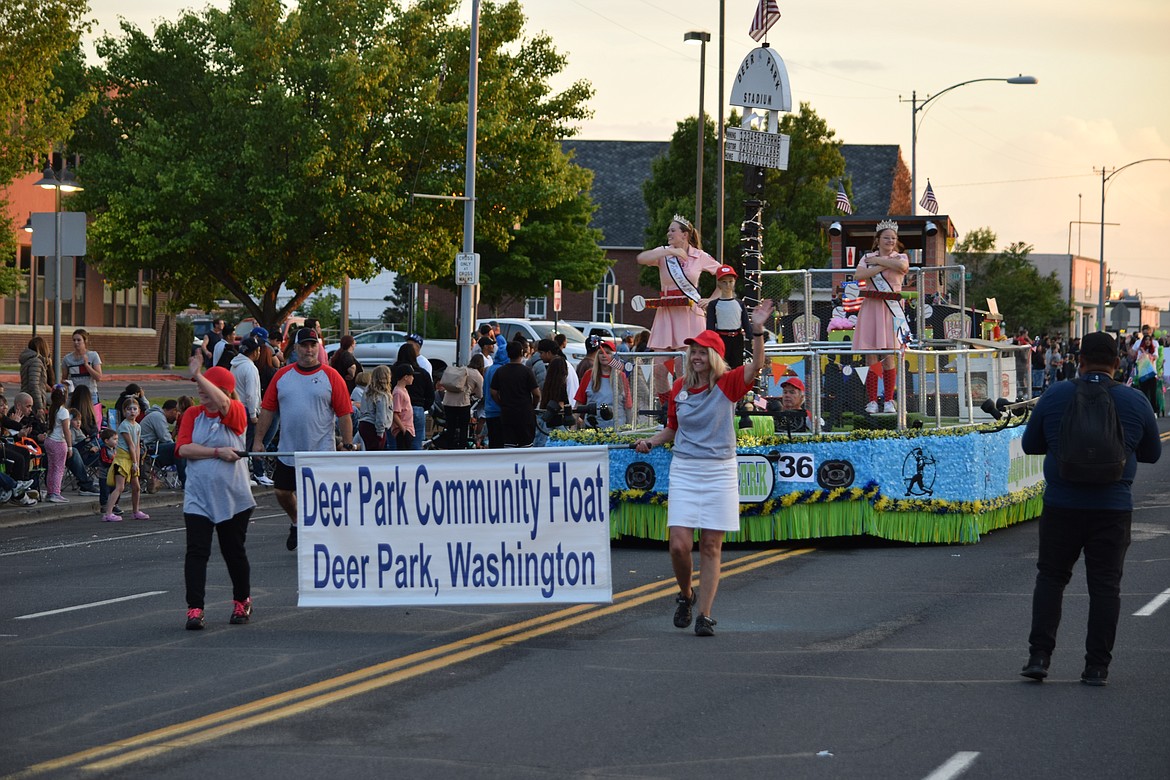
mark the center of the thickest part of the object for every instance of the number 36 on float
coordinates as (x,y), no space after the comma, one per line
(758,474)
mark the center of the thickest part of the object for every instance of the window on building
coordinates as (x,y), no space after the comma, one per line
(604,293)
(536,308)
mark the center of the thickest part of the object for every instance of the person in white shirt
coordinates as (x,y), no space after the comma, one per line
(247,374)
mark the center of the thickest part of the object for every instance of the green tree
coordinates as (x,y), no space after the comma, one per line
(244,150)
(41,99)
(553,243)
(325,308)
(398,312)
(1024,296)
(794,197)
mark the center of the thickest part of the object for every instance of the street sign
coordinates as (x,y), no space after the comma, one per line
(467,268)
(44,238)
(556,295)
(752,147)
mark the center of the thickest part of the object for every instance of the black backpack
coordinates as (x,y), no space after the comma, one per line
(1092,441)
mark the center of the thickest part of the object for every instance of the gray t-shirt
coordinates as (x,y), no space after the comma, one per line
(216,489)
(76,370)
(704,420)
(309,403)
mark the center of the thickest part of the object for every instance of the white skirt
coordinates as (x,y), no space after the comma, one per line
(704,493)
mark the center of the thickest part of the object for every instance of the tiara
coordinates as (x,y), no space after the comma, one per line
(680,219)
(887,224)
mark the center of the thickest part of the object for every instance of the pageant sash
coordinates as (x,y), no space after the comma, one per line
(901,324)
(674,268)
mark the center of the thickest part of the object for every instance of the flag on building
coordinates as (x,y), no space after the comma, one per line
(767,14)
(929,202)
(843,200)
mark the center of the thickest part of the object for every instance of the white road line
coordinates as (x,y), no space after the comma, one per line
(118,538)
(1153,606)
(87,606)
(955,766)
(93,541)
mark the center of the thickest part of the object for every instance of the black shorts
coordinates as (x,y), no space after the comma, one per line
(284,477)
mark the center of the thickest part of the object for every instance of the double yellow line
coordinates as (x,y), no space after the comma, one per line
(301,700)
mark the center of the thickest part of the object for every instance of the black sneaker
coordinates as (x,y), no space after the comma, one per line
(291,542)
(682,613)
(704,626)
(241,612)
(1095,675)
(1036,668)
(195,619)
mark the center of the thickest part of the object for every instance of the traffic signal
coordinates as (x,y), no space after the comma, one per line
(753,179)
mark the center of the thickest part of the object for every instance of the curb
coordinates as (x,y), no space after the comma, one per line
(86,506)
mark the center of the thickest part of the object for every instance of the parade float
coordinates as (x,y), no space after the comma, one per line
(947,468)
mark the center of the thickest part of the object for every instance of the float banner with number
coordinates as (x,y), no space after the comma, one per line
(517,526)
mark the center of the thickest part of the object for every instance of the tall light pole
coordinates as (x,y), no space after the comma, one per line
(702,39)
(719,194)
(915,107)
(66,182)
(466,321)
(1101,287)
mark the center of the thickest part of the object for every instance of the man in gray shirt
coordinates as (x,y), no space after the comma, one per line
(157,439)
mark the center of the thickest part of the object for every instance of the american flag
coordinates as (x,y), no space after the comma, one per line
(851,296)
(843,200)
(767,14)
(929,202)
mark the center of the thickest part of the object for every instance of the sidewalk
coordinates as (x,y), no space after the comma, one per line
(136,374)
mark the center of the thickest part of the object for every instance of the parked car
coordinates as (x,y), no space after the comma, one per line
(610,332)
(373,347)
(535,330)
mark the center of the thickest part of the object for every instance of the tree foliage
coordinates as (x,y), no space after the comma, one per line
(247,149)
(1024,296)
(794,197)
(39,49)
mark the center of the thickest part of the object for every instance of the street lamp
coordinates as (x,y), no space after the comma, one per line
(66,182)
(915,107)
(700,38)
(1101,255)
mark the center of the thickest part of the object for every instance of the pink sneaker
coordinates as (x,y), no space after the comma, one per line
(111,519)
(140,516)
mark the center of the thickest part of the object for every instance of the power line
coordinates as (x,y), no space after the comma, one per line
(1016,181)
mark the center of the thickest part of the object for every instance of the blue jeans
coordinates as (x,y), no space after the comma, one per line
(420,426)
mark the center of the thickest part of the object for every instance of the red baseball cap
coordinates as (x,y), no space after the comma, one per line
(708,338)
(795,382)
(725,270)
(221,378)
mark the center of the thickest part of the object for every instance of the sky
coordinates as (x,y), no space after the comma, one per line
(1025,161)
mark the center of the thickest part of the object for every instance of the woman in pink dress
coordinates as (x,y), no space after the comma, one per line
(875,322)
(680,314)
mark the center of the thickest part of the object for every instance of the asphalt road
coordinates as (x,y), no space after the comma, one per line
(852,659)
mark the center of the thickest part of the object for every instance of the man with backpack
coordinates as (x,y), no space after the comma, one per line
(1092,433)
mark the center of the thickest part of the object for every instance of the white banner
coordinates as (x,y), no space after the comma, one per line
(517,526)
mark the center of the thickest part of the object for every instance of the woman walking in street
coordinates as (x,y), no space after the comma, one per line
(217,499)
(704,481)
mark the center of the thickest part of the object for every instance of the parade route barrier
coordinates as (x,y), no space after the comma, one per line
(510,526)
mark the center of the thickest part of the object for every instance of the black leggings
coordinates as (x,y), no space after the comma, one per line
(232,534)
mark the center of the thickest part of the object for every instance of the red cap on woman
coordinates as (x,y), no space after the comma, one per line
(708,338)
